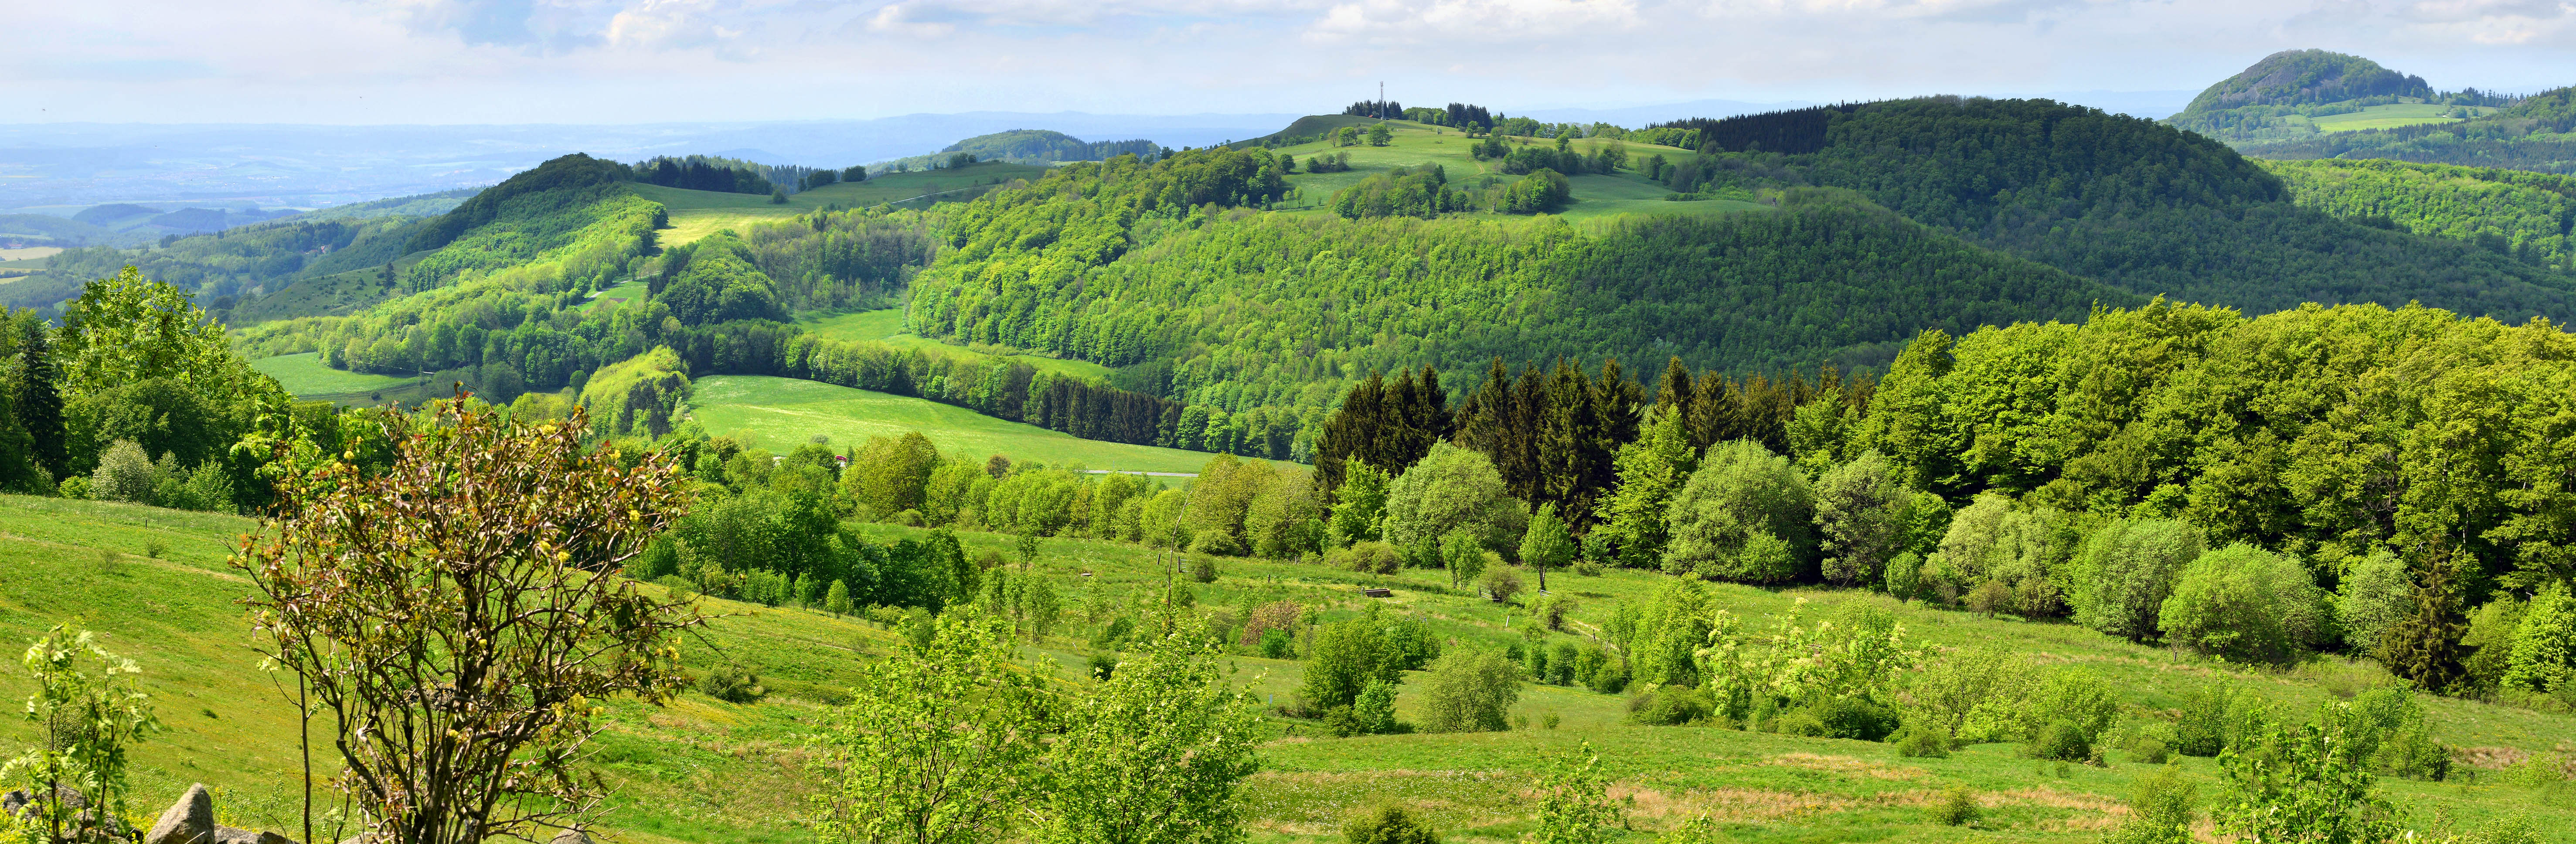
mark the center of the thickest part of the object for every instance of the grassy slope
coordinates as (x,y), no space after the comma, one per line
(307,377)
(1416,144)
(696,213)
(781,413)
(706,771)
(886,326)
(2391,116)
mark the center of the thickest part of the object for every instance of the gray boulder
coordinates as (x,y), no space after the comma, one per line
(189,821)
(229,835)
(15,803)
(570,836)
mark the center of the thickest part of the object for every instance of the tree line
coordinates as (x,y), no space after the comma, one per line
(2167,473)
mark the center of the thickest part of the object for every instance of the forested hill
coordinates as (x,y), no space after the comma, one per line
(2127,202)
(2529,216)
(1249,309)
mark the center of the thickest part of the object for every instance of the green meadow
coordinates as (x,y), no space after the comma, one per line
(1417,144)
(885,325)
(2394,115)
(696,213)
(307,377)
(154,583)
(780,414)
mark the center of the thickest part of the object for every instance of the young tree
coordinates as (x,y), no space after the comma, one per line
(1346,655)
(940,742)
(455,611)
(1744,515)
(1546,545)
(1860,516)
(1470,690)
(2245,603)
(2543,657)
(1650,471)
(2424,647)
(1155,754)
(90,723)
(2375,594)
(1574,805)
(1452,488)
(2309,783)
(1359,504)
(1378,135)
(837,600)
(2125,572)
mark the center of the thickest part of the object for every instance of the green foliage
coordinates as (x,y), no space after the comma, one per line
(1387,824)
(2513,212)
(1452,488)
(732,684)
(2544,645)
(91,721)
(1545,544)
(1650,471)
(938,743)
(1469,690)
(1541,192)
(1861,512)
(1921,741)
(2374,594)
(1156,753)
(124,474)
(2069,716)
(1400,192)
(714,280)
(2308,782)
(1360,503)
(1955,806)
(1745,515)
(2297,77)
(1373,712)
(2216,716)
(1973,695)
(2125,572)
(1574,805)
(1347,655)
(2160,810)
(2148,209)
(2244,603)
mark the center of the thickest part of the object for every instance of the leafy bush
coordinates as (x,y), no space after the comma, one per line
(1469,690)
(2125,572)
(1374,710)
(124,474)
(2244,603)
(1670,706)
(2544,644)
(1922,741)
(1745,515)
(2071,712)
(2160,810)
(732,684)
(1853,718)
(2215,717)
(2374,594)
(1203,570)
(1957,806)
(1275,644)
(1387,824)
(2307,783)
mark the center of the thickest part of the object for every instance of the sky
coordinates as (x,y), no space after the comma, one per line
(628,61)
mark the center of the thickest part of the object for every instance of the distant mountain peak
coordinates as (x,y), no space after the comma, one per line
(2300,77)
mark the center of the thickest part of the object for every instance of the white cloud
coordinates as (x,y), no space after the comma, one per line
(1467,21)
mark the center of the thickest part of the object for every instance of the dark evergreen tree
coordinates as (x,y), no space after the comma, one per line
(2425,647)
(40,401)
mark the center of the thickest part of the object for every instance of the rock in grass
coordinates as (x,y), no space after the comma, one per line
(189,821)
(229,835)
(570,836)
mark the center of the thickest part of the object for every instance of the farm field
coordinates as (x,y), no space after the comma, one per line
(155,584)
(2393,116)
(28,254)
(306,376)
(696,213)
(1416,144)
(779,414)
(885,325)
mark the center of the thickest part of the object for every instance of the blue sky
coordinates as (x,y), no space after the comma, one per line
(623,61)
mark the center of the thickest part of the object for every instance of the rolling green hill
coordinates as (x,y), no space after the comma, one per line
(704,771)
(695,214)
(2305,104)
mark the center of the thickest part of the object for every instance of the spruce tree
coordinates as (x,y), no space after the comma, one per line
(2425,647)
(40,402)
